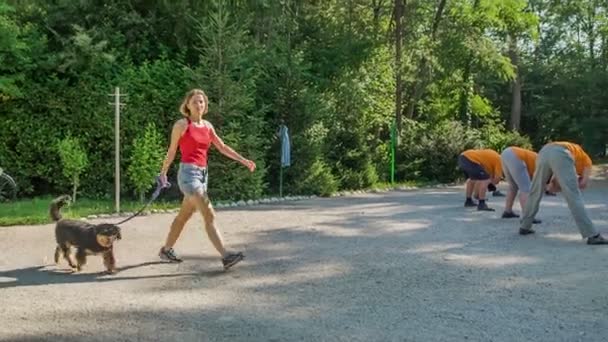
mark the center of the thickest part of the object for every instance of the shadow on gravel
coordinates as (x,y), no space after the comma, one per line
(420,271)
(41,275)
(386,199)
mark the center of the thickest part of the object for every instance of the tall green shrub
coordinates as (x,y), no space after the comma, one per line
(430,152)
(227,72)
(146,157)
(498,138)
(347,146)
(74,160)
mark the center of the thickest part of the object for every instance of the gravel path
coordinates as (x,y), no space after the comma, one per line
(394,266)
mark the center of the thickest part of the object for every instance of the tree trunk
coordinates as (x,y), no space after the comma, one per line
(423,72)
(377,10)
(604,53)
(515,85)
(463,110)
(74,187)
(516,104)
(399,81)
(591,33)
(538,9)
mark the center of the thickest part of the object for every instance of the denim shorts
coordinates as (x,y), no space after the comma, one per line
(192,179)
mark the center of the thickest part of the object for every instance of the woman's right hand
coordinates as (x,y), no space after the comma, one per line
(163,179)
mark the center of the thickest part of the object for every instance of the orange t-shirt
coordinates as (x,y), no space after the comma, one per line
(488,159)
(527,156)
(581,159)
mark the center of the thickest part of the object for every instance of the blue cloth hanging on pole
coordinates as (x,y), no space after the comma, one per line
(285,146)
(285,154)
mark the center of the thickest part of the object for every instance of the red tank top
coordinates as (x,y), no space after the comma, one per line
(194,144)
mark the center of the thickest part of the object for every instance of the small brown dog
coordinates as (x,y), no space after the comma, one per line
(88,239)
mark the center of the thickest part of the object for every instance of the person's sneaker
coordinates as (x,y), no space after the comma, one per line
(597,240)
(509,214)
(469,203)
(523,231)
(536,221)
(232,259)
(168,255)
(497,193)
(484,207)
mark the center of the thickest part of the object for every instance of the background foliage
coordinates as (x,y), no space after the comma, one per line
(470,73)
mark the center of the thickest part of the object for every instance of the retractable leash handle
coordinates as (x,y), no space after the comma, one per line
(159,187)
(159,182)
(165,186)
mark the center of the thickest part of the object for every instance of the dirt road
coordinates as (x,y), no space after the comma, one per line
(395,266)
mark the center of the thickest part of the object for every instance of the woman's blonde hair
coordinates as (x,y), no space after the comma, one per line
(183,108)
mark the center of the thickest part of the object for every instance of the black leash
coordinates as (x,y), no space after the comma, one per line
(159,188)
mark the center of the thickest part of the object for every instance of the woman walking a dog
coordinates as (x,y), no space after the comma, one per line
(194,136)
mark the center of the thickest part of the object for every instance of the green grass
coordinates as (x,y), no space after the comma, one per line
(36,210)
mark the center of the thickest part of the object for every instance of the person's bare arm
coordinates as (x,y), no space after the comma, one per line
(176,133)
(231,153)
(553,185)
(583,180)
(497,173)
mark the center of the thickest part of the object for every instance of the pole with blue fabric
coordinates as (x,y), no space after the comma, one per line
(285,153)
(281,181)
(393,143)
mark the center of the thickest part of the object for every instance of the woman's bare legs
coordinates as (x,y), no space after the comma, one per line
(185,212)
(204,206)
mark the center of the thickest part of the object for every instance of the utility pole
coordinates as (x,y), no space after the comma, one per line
(117,104)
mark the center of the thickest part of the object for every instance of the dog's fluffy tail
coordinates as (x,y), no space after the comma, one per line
(55,207)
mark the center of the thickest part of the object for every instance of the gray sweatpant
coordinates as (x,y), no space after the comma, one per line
(556,159)
(515,171)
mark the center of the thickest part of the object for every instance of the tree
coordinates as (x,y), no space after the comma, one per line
(74,159)
(424,72)
(518,24)
(146,157)
(228,69)
(15,46)
(398,55)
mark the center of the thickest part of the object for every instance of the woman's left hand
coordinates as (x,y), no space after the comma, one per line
(249,164)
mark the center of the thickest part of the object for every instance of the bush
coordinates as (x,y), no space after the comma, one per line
(430,153)
(319,180)
(74,160)
(154,90)
(145,161)
(359,179)
(497,138)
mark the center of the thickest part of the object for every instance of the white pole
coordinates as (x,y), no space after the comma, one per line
(117,148)
(116,103)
